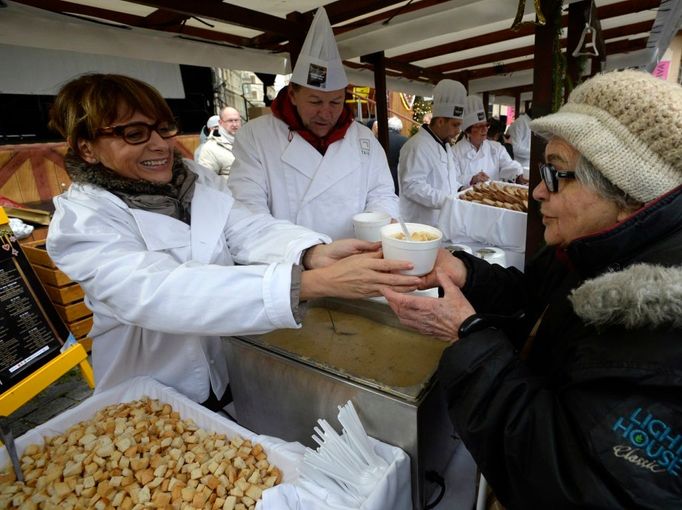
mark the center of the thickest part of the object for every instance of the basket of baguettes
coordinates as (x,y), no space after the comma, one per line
(496,194)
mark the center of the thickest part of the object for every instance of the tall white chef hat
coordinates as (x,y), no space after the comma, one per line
(319,63)
(473,112)
(448,99)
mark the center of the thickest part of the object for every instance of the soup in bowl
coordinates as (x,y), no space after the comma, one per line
(421,249)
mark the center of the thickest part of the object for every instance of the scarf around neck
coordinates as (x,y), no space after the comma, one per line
(284,110)
(172,199)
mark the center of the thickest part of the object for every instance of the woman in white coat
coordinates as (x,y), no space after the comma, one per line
(479,159)
(153,240)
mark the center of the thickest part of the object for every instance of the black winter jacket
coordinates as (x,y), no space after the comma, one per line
(593,417)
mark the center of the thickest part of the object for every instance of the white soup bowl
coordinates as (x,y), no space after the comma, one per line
(422,254)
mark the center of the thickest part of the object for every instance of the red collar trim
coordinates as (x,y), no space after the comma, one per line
(284,110)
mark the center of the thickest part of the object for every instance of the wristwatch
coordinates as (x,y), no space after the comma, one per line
(472,324)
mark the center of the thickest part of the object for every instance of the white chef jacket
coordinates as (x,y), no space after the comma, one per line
(427,174)
(491,158)
(278,171)
(163,292)
(519,134)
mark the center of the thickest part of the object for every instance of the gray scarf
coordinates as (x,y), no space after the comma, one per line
(173,199)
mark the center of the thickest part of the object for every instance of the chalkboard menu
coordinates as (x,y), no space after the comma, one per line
(31,331)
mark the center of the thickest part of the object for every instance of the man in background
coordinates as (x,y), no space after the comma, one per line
(396,140)
(427,170)
(216,153)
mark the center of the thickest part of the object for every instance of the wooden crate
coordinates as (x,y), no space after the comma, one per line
(73,312)
(81,327)
(66,294)
(36,253)
(51,276)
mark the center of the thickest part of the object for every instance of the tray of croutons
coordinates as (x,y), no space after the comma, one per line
(489,213)
(143,445)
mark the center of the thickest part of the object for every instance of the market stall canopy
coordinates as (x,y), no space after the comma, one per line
(423,40)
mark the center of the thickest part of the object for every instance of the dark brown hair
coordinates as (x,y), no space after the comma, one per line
(94,101)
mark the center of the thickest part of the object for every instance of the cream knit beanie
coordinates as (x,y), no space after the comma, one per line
(628,124)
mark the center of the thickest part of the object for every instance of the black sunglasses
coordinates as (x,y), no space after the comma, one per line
(136,133)
(550,176)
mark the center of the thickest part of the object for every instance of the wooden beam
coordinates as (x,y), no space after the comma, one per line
(577,19)
(543,86)
(512,91)
(343,10)
(623,46)
(161,19)
(227,13)
(612,33)
(377,61)
(607,11)
(60,7)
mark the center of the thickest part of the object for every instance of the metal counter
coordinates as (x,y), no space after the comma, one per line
(284,381)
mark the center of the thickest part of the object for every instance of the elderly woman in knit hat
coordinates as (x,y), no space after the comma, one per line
(154,240)
(565,383)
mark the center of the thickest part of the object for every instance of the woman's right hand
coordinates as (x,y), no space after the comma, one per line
(358,276)
(453,267)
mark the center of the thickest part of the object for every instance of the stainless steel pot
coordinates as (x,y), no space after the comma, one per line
(347,350)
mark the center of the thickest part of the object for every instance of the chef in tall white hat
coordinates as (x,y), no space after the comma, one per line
(480,159)
(427,171)
(309,162)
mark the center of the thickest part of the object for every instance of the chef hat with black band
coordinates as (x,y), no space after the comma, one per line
(448,99)
(628,124)
(319,64)
(473,112)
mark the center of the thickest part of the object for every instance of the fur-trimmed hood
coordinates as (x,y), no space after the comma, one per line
(642,295)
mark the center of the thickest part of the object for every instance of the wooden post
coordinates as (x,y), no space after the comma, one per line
(517,105)
(486,104)
(576,23)
(378,60)
(295,44)
(543,85)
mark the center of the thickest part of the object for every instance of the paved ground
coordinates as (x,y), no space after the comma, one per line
(68,391)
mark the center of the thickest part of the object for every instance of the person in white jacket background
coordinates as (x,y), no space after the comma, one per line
(216,153)
(519,136)
(153,240)
(427,172)
(479,159)
(309,162)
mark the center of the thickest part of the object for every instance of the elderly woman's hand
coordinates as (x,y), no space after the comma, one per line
(439,317)
(323,255)
(357,276)
(448,264)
